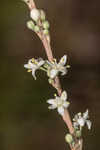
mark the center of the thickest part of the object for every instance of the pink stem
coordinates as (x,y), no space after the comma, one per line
(57,85)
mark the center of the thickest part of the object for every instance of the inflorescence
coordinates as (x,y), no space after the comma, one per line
(38,23)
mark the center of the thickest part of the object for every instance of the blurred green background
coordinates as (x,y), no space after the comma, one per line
(25,121)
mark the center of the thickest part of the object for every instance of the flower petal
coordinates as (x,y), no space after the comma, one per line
(66,104)
(61,110)
(75,124)
(89,123)
(81,122)
(64,72)
(27,66)
(41,63)
(51,101)
(63,60)
(85,115)
(64,95)
(52,107)
(33,73)
(31,64)
(76,117)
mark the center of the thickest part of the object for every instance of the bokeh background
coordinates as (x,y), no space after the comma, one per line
(25,121)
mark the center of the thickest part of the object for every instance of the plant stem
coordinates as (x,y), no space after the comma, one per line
(66,117)
(57,84)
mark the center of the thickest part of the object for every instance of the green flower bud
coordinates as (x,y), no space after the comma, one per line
(36,28)
(30,25)
(78,133)
(69,138)
(46,25)
(50,81)
(46,32)
(42,15)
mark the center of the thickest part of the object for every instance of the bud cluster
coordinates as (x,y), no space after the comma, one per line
(38,22)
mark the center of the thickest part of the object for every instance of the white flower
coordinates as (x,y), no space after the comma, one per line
(54,67)
(59,102)
(33,65)
(80,120)
(35,14)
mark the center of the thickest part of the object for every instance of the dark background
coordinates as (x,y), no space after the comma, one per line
(25,121)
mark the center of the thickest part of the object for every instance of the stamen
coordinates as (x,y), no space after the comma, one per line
(33,60)
(68,66)
(29,70)
(55,95)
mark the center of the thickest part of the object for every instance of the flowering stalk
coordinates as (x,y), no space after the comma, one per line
(40,26)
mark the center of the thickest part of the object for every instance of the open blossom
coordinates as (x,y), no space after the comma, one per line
(59,102)
(55,68)
(33,65)
(80,120)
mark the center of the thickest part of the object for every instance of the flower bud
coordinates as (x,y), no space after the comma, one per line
(42,15)
(35,14)
(46,25)
(36,28)
(30,25)
(78,134)
(50,81)
(46,32)
(69,138)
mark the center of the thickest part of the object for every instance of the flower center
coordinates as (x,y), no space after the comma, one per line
(81,121)
(59,103)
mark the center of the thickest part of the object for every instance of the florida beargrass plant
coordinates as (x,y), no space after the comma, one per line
(39,24)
